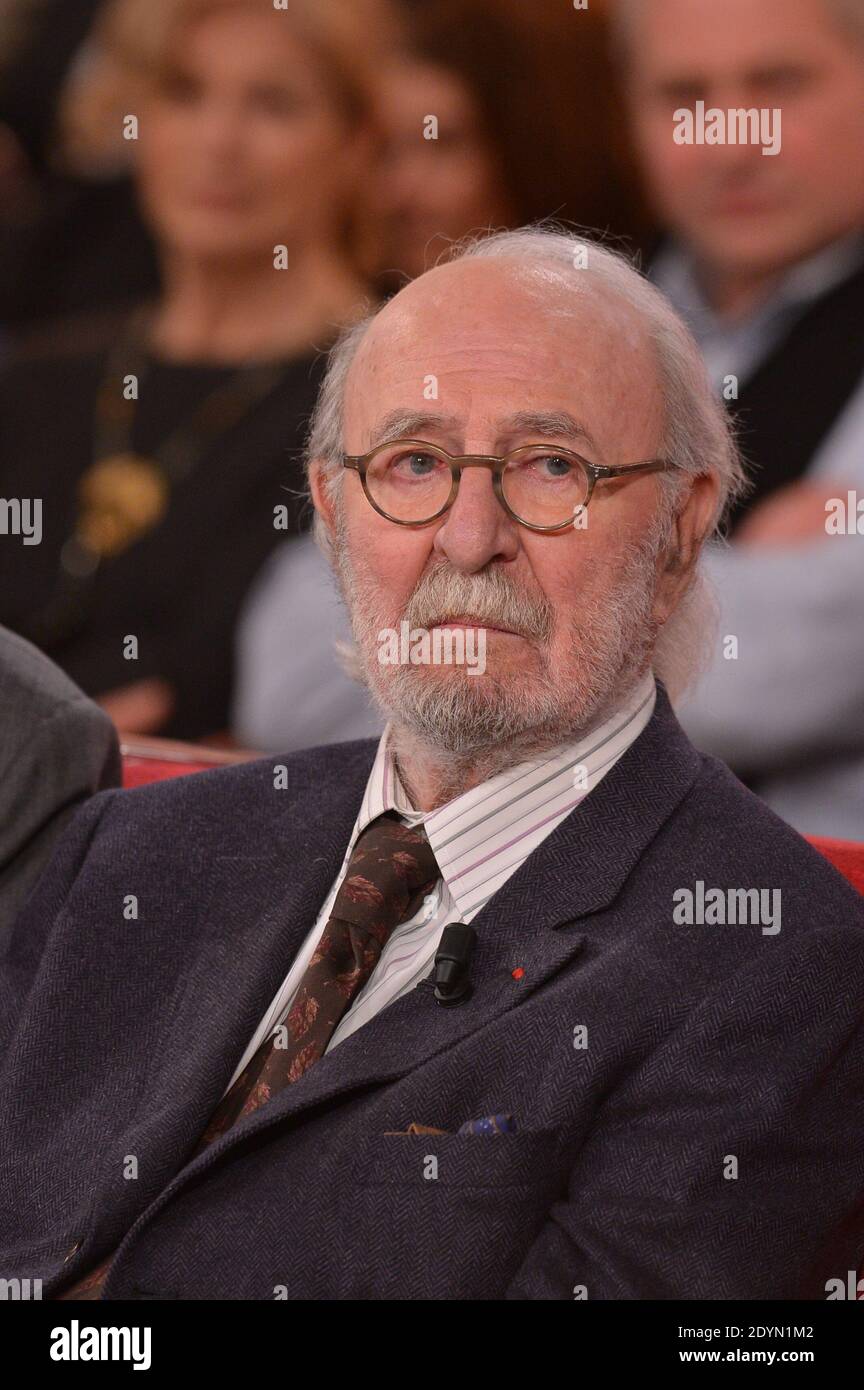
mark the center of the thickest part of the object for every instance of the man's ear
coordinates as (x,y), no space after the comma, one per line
(692,524)
(696,518)
(320,495)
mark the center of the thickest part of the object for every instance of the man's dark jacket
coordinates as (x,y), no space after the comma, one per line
(689,1099)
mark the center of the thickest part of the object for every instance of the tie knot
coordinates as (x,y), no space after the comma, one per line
(390,864)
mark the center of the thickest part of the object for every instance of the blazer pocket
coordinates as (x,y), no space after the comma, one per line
(499,1162)
(441,1216)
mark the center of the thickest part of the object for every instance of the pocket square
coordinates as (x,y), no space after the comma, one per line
(487,1124)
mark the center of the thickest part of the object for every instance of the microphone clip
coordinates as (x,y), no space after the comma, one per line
(452,984)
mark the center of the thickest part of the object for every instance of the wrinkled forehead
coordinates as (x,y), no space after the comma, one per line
(482,341)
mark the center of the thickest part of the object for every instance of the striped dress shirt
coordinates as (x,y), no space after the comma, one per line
(479,840)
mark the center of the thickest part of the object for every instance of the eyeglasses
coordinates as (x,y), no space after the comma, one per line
(412,483)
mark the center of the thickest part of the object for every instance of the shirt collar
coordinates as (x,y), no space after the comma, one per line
(517,808)
(674,271)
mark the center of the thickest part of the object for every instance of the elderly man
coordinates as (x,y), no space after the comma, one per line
(246,1056)
(749,120)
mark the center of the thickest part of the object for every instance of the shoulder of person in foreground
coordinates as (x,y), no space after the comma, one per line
(56,749)
(239,810)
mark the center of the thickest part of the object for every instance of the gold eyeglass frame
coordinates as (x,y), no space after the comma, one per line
(595,473)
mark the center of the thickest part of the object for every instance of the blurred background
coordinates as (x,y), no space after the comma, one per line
(197,195)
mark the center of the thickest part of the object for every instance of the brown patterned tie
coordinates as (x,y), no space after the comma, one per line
(391,867)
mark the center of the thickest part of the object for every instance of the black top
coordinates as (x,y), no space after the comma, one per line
(108,257)
(178,588)
(787,409)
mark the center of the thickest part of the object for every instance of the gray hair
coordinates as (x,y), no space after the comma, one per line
(848,13)
(697,435)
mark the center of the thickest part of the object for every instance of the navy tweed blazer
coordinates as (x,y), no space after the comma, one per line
(689,1098)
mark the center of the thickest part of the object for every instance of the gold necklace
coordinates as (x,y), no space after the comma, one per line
(124,494)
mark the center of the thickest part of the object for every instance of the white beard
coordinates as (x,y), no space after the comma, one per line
(502,718)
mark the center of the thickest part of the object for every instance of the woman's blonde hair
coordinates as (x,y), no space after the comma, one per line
(134,40)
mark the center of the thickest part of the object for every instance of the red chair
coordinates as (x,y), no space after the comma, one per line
(846,856)
(154,759)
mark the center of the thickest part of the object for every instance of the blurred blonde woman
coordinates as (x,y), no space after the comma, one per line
(166,453)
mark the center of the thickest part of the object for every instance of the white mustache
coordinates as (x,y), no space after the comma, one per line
(490,599)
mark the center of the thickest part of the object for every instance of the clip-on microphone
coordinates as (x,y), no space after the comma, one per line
(452,963)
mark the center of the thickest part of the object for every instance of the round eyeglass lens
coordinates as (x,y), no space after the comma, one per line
(543,487)
(407,483)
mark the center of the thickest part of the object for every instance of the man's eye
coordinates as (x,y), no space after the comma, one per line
(559,467)
(551,466)
(678,94)
(415,465)
(786,82)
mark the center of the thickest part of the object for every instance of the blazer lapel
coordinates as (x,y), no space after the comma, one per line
(257,907)
(530,926)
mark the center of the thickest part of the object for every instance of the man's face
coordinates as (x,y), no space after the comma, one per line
(570,616)
(740,211)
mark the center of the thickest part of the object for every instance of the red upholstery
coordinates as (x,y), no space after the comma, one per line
(846,856)
(138,771)
(154,759)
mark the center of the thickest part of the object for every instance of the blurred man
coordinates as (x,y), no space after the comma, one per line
(56,749)
(765,259)
(311,1116)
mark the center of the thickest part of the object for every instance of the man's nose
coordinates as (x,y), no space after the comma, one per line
(476,530)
